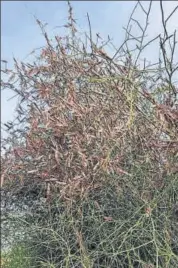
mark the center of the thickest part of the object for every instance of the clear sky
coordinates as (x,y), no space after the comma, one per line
(20,34)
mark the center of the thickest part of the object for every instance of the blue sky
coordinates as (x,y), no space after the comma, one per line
(20,34)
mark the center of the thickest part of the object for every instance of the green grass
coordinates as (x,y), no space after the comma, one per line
(17,257)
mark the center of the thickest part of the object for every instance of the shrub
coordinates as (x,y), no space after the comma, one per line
(92,162)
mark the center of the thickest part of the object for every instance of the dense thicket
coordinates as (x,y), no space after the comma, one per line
(90,170)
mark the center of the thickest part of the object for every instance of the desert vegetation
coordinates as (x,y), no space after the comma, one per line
(89,169)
